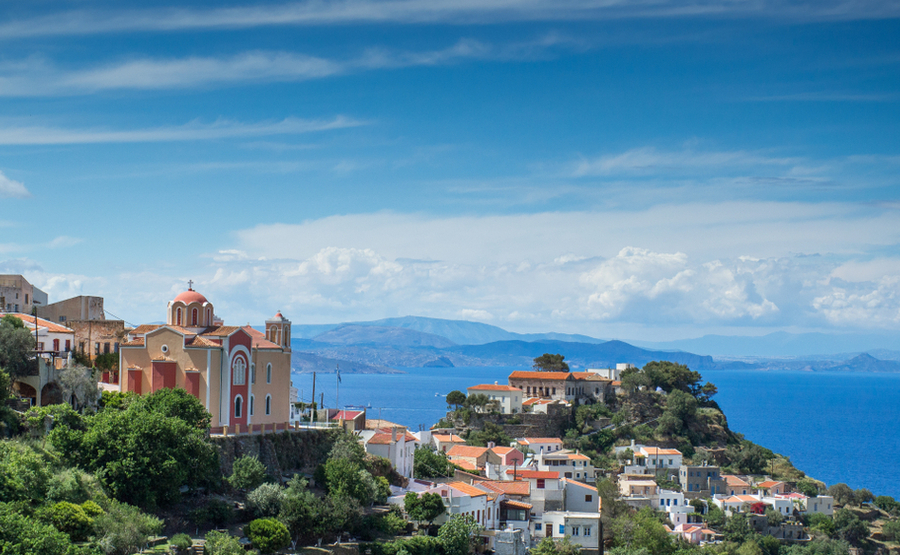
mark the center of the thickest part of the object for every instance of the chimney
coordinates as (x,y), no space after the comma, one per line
(393,434)
(490,445)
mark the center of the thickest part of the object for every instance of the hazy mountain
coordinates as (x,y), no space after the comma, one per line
(302,362)
(461,332)
(354,334)
(780,344)
(866,363)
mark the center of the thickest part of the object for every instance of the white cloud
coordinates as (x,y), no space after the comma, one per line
(866,304)
(350,12)
(12,188)
(193,131)
(63,241)
(650,160)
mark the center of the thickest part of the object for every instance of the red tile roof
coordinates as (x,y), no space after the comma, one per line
(540,441)
(769,484)
(144,328)
(516,504)
(495,388)
(347,415)
(525,474)
(258,339)
(515,488)
(466,488)
(539,375)
(137,342)
(447,438)
(466,451)
(42,323)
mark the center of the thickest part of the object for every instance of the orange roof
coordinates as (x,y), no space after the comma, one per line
(585,485)
(144,328)
(502,450)
(466,451)
(540,441)
(516,504)
(463,463)
(137,342)
(525,474)
(590,376)
(259,340)
(768,484)
(51,326)
(578,456)
(200,341)
(536,401)
(708,532)
(495,388)
(380,438)
(654,451)
(539,375)
(466,488)
(221,330)
(741,498)
(617,383)
(447,438)
(732,480)
(515,488)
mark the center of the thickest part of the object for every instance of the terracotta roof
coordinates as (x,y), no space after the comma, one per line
(144,328)
(137,342)
(590,376)
(380,438)
(768,484)
(578,456)
(200,341)
(466,488)
(467,451)
(539,441)
(190,296)
(258,339)
(373,424)
(515,488)
(741,498)
(464,463)
(536,401)
(502,450)
(708,532)
(220,330)
(579,483)
(404,433)
(732,480)
(654,451)
(617,383)
(42,323)
(344,414)
(447,438)
(539,375)
(495,388)
(516,504)
(526,474)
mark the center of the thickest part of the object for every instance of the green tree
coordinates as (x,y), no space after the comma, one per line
(178,403)
(22,535)
(891,530)
(887,503)
(70,519)
(16,348)
(267,535)
(425,508)
(247,473)
(458,534)
(347,447)
(124,529)
(808,487)
(491,432)
(301,510)
(862,496)
(674,376)
(266,500)
(24,474)
(642,533)
(849,527)
(768,545)
(78,382)
(478,402)
(456,399)
(218,542)
(556,546)
(428,462)
(107,362)
(550,362)
(738,529)
(842,494)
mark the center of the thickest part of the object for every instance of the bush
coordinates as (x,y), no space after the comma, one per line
(124,529)
(23,473)
(21,535)
(266,500)
(247,473)
(92,509)
(887,503)
(73,485)
(392,524)
(182,542)
(891,530)
(70,519)
(414,545)
(222,543)
(267,535)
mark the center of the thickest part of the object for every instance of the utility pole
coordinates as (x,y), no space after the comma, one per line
(313,409)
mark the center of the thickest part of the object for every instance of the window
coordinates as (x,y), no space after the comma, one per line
(269,373)
(237,407)
(268,404)
(587,531)
(588,497)
(62,318)
(562,529)
(239,370)
(106,347)
(574,530)
(540,483)
(252,374)
(554,391)
(194,317)
(178,317)
(56,344)
(251,405)
(68,345)
(97,348)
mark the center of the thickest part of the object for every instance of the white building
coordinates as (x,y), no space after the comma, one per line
(538,445)
(570,464)
(580,497)
(394,444)
(582,527)
(508,399)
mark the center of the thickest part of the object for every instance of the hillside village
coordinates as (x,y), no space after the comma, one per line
(221,458)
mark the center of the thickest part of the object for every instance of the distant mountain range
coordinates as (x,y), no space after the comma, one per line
(387,344)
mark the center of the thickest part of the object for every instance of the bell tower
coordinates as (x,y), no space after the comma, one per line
(278,331)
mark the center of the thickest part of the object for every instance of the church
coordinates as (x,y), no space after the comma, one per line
(242,375)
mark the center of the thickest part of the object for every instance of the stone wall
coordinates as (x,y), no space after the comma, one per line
(93,332)
(534,425)
(282,453)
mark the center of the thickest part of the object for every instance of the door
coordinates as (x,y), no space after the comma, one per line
(548,530)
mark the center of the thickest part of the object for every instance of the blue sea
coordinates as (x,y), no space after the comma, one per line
(837,427)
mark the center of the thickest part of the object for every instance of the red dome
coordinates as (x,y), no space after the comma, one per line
(191,296)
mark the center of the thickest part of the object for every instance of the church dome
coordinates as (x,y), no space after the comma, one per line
(191,296)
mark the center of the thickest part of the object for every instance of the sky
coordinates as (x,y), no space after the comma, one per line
(653,169)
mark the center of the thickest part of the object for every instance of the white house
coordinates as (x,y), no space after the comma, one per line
(538,445)
(508,399)
(394,444)
(582,527)
(580,497)
(819,504)
(569,463)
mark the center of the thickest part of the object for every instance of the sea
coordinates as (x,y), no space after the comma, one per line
(836,427)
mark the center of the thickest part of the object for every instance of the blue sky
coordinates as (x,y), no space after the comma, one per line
(657,169)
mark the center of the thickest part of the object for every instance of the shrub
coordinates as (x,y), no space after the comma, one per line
(124,529)
(392,524)
(182,542)
(91,508)
(218,542)
(70,519)
(891,530)
(247,473)
(73,485)
(267,535)
(266,500)
(23,473)
(21,535)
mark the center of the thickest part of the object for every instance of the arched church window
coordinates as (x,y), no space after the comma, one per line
(252,374)
(272,334)
(178,317)
(251,405)
(237,407)
(208,318)
(269,373)
(193,317)
(268,404)
(239,370)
